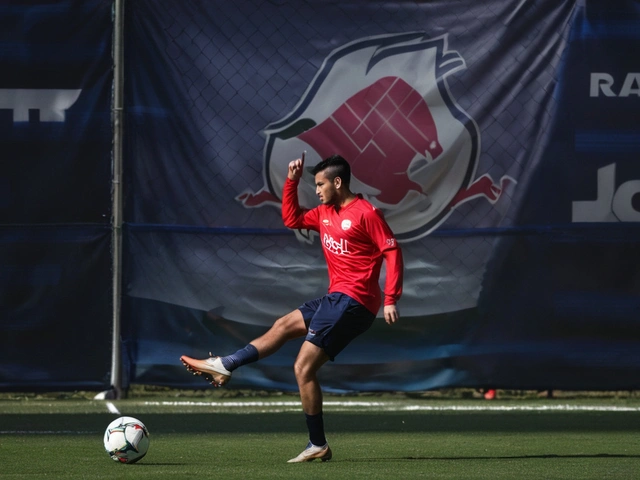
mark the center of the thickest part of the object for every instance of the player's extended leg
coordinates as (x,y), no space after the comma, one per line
(286,328)
(217,370)
(309,361)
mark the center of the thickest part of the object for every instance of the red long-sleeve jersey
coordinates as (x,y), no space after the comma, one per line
(355,240)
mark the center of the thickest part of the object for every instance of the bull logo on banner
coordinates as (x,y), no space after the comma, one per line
(383,103)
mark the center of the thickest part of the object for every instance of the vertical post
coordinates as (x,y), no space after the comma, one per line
(117,206)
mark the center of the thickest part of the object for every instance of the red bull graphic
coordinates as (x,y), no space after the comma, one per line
(388,115)
(383,104)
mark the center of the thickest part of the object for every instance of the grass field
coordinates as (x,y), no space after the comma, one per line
(373,437)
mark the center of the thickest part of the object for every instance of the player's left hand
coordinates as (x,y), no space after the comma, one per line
(391,314)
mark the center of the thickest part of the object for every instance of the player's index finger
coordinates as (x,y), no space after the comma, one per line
(304,152)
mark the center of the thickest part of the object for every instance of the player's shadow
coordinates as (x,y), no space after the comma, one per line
(491,457)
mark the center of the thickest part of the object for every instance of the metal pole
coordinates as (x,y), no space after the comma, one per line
(116,222)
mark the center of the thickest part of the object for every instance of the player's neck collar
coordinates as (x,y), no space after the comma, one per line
(345,202)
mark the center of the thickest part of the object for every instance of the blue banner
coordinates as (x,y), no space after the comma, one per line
(463,127)
(55,112)
(55,194)
(55,306)
(561,294)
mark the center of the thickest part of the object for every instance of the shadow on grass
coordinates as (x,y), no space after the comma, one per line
(486,457)
(336,422)
(431,459)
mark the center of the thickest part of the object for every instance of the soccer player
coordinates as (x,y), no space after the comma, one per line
(355,239)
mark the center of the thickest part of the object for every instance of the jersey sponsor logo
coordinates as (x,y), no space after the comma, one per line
(391,242)
(50,104)
(334,246)
(384,104)
(326,222)
(346,224)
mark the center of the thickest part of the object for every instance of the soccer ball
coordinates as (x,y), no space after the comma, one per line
(126,440)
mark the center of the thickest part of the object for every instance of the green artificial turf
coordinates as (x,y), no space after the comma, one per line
(395,439)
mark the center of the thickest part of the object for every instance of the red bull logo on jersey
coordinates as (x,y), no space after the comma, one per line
(384,104)
(339,247)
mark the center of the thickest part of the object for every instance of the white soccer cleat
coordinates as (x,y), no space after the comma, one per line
(210,368)
(312,452)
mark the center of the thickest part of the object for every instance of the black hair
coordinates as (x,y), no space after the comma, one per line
(335,166)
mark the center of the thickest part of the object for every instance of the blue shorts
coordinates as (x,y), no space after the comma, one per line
(334,320)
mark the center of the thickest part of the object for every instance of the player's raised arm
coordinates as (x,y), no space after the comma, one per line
(293,215)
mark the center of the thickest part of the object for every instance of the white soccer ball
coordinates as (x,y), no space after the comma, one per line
(126,440)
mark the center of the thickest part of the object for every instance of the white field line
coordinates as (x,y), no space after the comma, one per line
(399,407)
(112,408)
